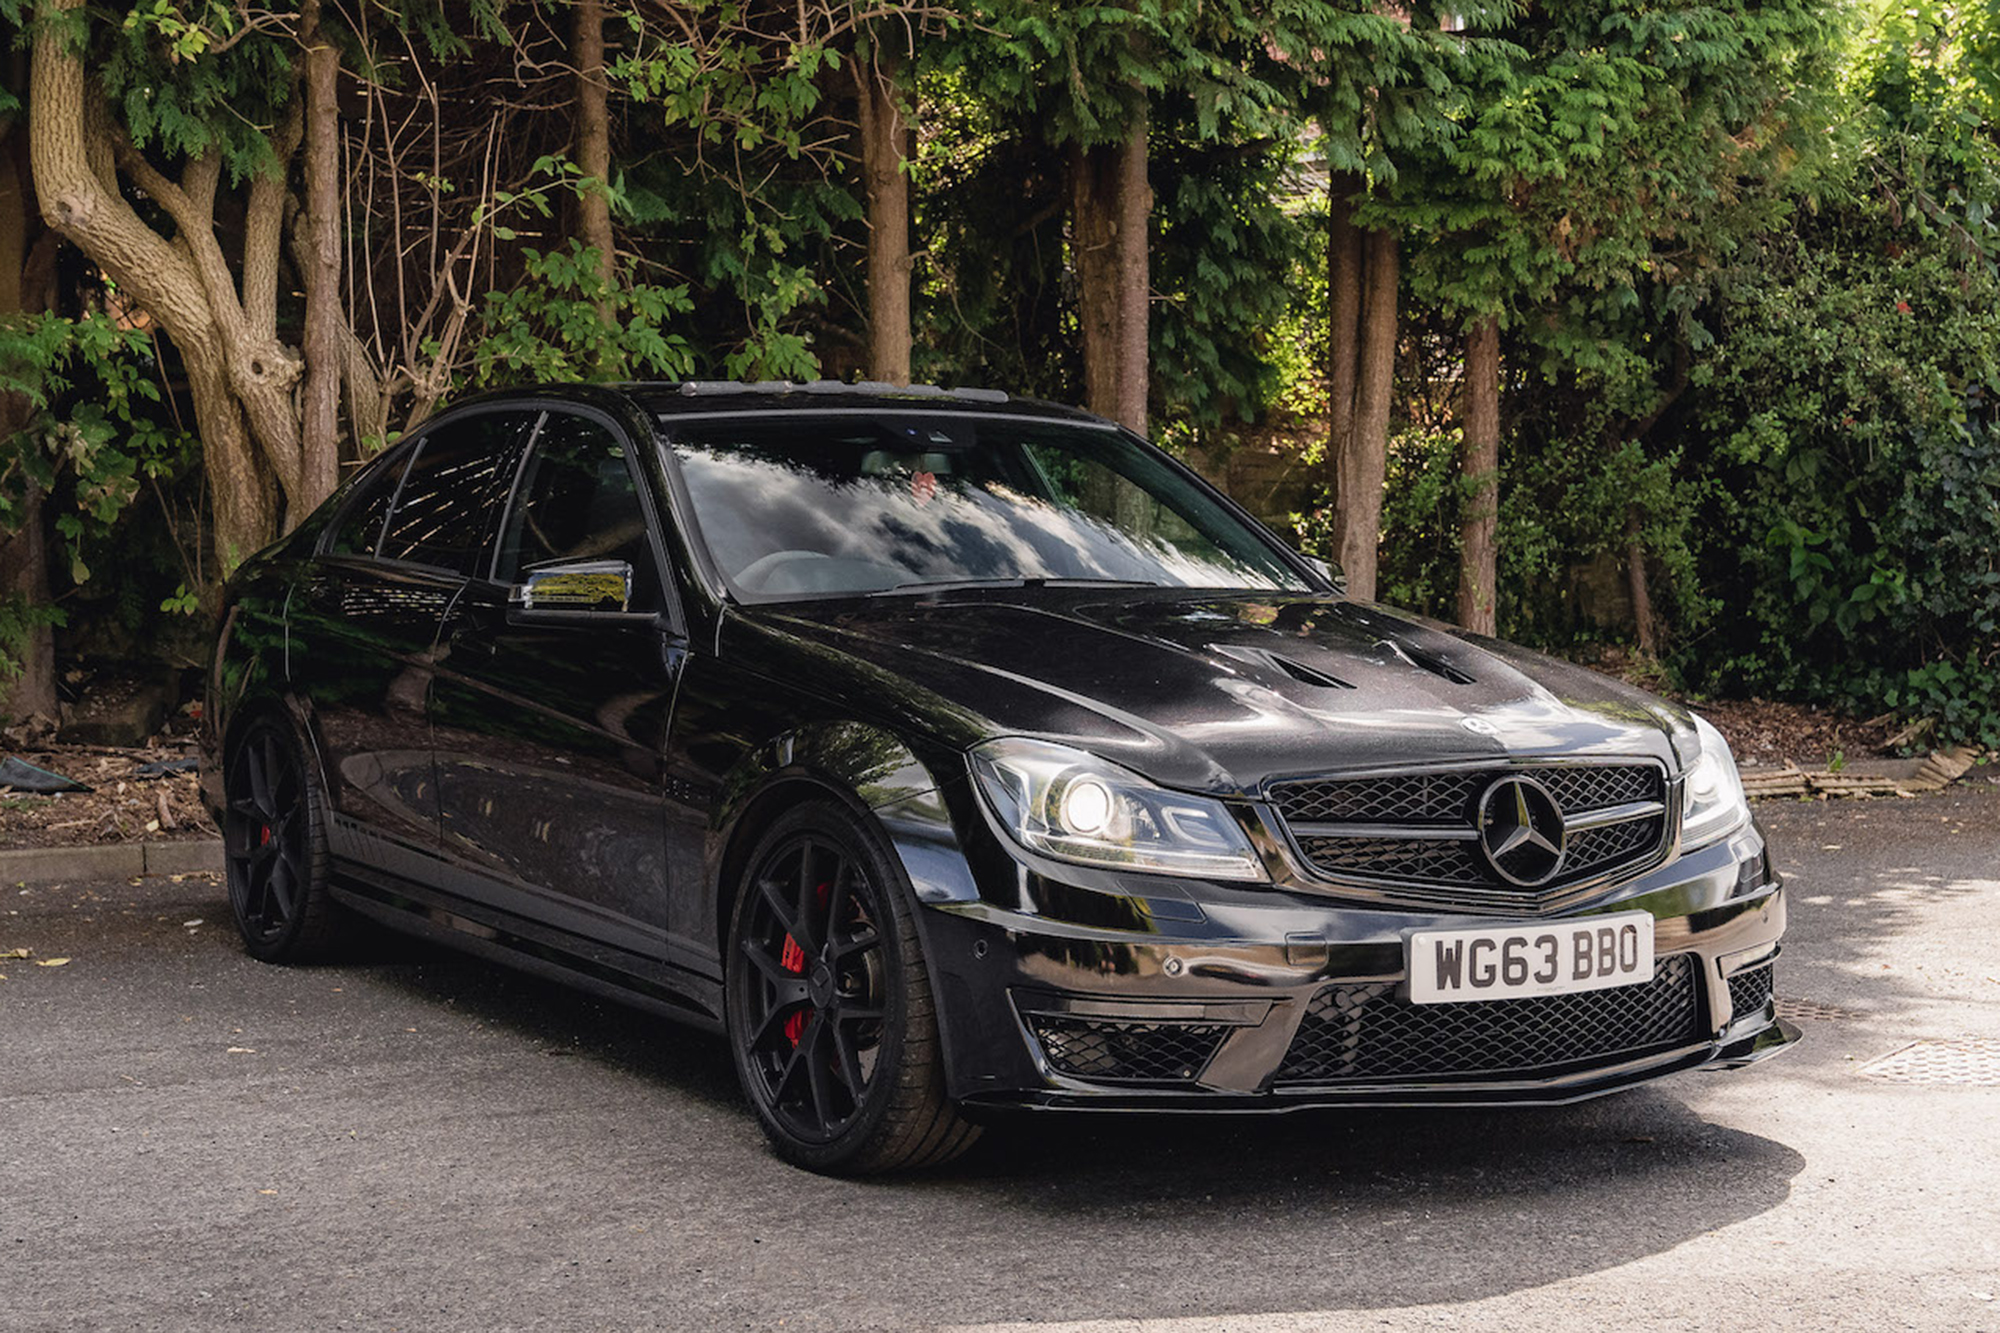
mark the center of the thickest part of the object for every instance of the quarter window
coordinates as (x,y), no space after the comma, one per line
(361,526)
(444,513)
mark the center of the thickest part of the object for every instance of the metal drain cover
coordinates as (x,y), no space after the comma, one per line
(1812,1011)
(1967,1062)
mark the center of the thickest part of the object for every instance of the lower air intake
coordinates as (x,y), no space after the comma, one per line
(1750,991)
(1364,1033)
(1109,1050)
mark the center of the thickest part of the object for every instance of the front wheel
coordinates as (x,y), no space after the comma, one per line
(830,1015)
(274,846)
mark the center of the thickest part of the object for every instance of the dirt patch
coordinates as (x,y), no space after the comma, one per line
(1763,732)
(1766,731)
(122,807)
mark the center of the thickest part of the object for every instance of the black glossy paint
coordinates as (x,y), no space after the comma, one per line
(577,793)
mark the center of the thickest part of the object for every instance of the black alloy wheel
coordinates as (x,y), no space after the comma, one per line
(274,845)
(829,1007)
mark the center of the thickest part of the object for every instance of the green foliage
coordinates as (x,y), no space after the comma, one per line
(96,434)
(98,431)
(1228,220)
(195,77)
(1604,147)
(1746,258)
(1850,400)
(1863,513)
(567,322)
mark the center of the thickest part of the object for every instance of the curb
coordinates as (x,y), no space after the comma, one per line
(34,865)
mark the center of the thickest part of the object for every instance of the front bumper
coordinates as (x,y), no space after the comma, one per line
(1142,994)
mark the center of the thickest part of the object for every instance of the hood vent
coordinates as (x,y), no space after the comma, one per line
(1307,676)
(1269,661)
(1422,660)
(1386,646)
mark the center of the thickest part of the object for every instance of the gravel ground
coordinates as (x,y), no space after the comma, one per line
(413,1140)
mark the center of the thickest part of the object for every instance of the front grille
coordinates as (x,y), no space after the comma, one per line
(1432,860)
(1113,1050)
(1750,991)
(1417,831)
(1365,1034)
(1593,849)
(1402,798)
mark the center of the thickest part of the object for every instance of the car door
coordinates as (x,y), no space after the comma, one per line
(362,631)
(549,723)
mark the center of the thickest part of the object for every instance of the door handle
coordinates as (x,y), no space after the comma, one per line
(470,642)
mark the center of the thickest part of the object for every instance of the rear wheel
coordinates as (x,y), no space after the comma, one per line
(274,846)
(830,1014)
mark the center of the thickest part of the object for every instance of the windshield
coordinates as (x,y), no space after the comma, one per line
(803,506)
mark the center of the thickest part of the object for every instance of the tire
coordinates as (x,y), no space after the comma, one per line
(274,849)
(828,1006)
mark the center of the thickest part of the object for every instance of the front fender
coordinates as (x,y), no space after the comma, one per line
(246,676)
(873,770)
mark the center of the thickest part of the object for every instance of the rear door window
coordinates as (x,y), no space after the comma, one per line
(450,500)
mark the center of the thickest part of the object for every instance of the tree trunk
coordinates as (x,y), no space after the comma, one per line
(1110,210)
(24,552)
(240,375)
(1093,238)
(1343,292)
(593,135)
(1636,578)
(1367,459)
(24,575)
(319,427)
(1479,424)
(1134,277)
(240,486)
(885,138)
(1642,592)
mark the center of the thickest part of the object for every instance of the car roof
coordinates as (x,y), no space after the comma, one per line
(679,398)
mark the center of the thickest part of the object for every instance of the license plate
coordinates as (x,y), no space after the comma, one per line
(1545,958)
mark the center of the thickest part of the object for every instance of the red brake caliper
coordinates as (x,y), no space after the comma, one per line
(264,835)
(793,959)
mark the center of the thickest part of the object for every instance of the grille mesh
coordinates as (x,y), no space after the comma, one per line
(1364,1033)
(1435,861)
(1594,848)
(1750,991)
(1414,798)
(1452,872)
(1593,788)
(1113,1051)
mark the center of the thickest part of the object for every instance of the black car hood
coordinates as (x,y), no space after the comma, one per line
(1209,692)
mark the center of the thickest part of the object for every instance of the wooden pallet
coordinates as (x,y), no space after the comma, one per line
(1938,771)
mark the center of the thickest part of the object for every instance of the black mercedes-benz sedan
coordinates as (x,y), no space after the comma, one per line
(949,752)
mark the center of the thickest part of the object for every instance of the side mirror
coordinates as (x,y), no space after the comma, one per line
(576,586)
(1327,570)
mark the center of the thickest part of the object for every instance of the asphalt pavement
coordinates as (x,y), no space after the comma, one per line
(418,1141)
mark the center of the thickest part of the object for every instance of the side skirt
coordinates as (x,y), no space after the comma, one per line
(645,983)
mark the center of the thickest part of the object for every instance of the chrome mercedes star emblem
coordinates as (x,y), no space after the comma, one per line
(1521,831)
(1479,726)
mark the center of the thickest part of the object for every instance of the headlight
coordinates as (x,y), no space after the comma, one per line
(1712,802)
(1074,806)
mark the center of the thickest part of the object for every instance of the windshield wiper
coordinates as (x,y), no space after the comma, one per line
(1035,581)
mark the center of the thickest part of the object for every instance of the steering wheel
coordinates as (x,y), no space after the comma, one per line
(758,572)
